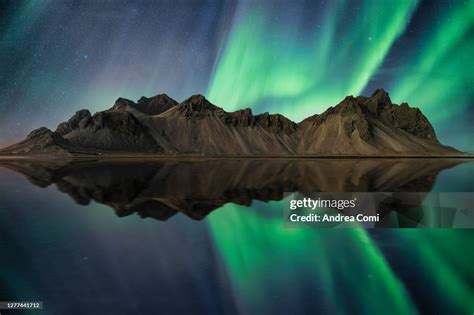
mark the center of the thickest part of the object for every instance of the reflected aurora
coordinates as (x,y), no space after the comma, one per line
(266,65)
(264,258)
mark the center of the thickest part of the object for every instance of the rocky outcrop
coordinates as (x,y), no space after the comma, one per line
(199,127)
(372,126)
(198,106)
(150,106)
(404,117)
(79,120)
(276,123)
(41,140)
(114,131)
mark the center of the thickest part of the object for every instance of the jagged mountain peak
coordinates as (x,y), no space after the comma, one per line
(199,100)
(197,105)
(78,121)
(40,132)
(274,123)
(158,97)
(154,105)
(123,103)
(359,125)
(40,141)
(362,114)
(380,92)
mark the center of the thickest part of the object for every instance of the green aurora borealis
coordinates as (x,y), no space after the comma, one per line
(296,59)
(266,66)
(265,61)
(240,259)
(265,258)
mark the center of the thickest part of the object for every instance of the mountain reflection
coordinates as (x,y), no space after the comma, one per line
(160,189)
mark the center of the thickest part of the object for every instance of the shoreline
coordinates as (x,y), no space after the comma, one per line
(246,157)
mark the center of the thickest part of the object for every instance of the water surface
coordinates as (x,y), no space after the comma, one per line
(207,237)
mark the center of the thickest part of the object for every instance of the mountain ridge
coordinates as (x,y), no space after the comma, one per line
(159,125)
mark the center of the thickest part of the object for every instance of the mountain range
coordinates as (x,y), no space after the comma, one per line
(357,126)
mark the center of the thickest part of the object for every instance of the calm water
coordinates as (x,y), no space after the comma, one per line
(208,238)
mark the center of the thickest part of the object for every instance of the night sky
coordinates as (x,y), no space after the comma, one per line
(292,57)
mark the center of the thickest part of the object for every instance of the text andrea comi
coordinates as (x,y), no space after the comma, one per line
(314,204)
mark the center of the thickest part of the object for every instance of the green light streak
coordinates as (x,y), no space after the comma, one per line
(264,61)
(22,22)
(438,77)
(432,249)
(264,258)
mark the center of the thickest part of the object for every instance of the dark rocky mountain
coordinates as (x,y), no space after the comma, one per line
(360,125)
(370,126)
(150,106)
(42,140)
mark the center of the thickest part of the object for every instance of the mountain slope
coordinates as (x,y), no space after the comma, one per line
(40,141)
(150,106)
(160,125)
(199,127)
(369,126)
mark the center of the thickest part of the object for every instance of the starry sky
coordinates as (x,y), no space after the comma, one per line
(292,57)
